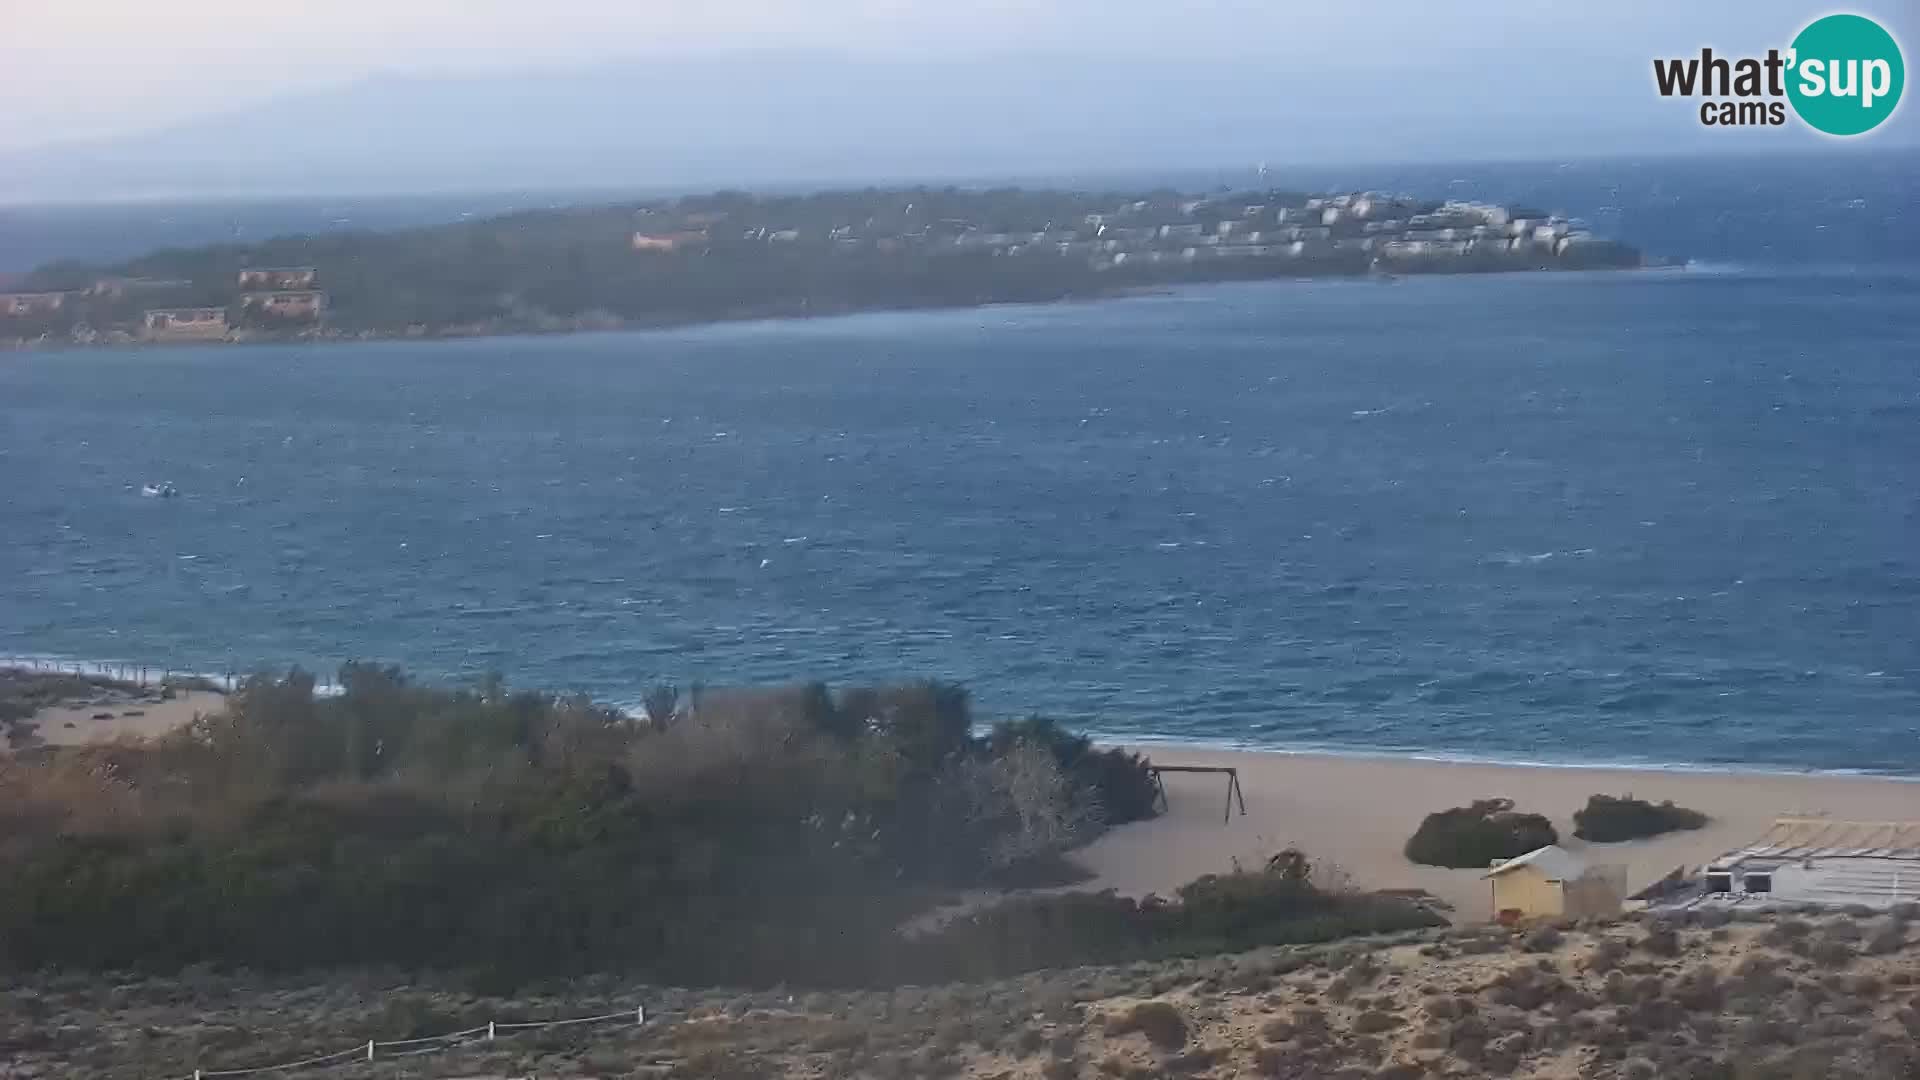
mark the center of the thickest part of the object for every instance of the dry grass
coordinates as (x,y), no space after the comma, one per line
(67,795)
(1740,1002)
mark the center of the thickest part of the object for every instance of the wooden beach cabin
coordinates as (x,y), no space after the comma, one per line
(1554,883)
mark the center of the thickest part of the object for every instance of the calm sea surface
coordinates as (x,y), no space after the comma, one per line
(1661,516)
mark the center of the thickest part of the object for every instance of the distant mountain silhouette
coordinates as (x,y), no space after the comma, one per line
(756,119)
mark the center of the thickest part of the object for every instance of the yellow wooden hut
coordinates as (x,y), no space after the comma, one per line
(1554,883)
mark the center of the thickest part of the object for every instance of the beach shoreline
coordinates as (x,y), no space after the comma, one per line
(1352,813)
(1148,744)
(637,325)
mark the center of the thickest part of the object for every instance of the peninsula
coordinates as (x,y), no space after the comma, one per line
(733,255)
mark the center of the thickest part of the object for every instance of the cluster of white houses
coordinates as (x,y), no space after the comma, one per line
(1355,224)
(286,296)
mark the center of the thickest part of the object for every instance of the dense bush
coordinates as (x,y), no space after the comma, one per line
(1607,820)
(1120,781)
(729,836)
(750,837)
(1213,914)
(1159,1021)
(1479,835)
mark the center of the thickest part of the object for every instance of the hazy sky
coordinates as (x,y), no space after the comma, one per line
(154,99)
(79,68)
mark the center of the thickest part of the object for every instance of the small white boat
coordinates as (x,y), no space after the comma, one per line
(163,490)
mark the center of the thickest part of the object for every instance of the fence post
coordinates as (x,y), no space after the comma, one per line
(640,1014)
(369,1049)
(489,1031)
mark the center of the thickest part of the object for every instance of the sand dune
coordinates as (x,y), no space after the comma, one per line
(1357,812)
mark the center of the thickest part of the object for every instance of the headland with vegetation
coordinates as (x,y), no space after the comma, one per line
(735,255)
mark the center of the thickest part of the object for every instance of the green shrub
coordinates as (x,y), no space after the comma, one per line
(1118,780)
(1831,953)
(1273,1061)
(745,837)
(1479,835)
(1374,1021)
(1159,1021)
(1662,941)
(1890,938)
(1067,1069)
(1545,939)
(1214,914)
(1277,1031)
(1607,820)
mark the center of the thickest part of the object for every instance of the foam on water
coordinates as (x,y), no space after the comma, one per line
(1457,758)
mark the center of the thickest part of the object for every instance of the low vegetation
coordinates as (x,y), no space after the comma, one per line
(1735,1002)
(26,691)
(1478,835)
(1120,779)
(1606,819)
(741,837)
(1216,913)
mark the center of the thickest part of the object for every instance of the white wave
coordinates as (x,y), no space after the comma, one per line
(1709,266)
(1461,757)
(1511,558)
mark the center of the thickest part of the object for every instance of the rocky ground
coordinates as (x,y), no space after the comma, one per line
(1801,996)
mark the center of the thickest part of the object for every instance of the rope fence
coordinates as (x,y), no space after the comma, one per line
(371,1050)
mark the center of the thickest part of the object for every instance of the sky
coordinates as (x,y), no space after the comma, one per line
(1476,75)
(89,67)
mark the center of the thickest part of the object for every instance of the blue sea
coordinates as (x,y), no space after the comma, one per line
(1667,517)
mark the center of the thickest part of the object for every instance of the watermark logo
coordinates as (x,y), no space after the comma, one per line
(1842,75)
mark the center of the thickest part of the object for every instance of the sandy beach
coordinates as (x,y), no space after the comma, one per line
(73,710)
(105,720)
(1357,812)
(1353,813)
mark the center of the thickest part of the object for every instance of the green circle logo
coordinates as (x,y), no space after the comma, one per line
(1846,74)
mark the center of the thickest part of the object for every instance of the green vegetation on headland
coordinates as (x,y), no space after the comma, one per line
(732,255)
(744,837)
